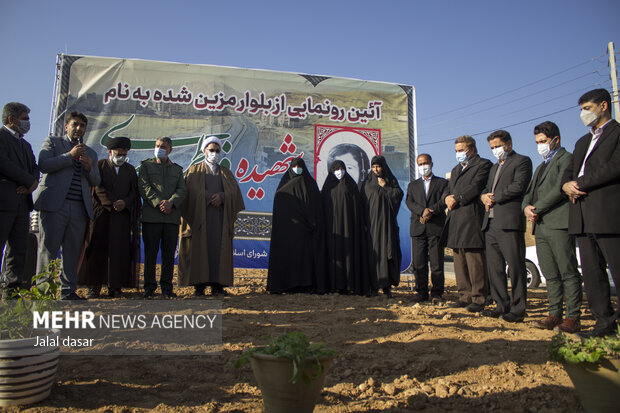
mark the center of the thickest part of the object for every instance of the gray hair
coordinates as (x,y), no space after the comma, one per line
(14,109)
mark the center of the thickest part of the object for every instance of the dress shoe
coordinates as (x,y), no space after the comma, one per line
(168,294)
(72,297)
(116,293)
(598,332)
(512,318)
(199,291)
(388,292)
(148,294)
(475,307)
(494,313)
(548,323)
(419,298)
(218,291)
(437,300)
(458,304)
(569,326)
(93,292)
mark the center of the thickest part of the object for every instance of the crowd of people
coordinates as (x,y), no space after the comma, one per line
(342,238)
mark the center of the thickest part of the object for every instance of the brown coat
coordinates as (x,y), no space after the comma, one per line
(193,257)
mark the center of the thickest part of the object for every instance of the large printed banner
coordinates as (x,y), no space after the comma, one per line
(265,119)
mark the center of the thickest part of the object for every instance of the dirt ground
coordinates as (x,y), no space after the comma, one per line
(392,356)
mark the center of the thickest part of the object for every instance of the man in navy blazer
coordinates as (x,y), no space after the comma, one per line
(424,199)
(19,177)
(64,199)
(592,181)
(504,227)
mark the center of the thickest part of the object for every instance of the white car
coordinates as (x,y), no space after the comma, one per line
(535,276)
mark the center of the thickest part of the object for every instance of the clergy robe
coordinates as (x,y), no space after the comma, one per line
(207,232)
(382,205)
(346,235)
(111,254)
(297,247)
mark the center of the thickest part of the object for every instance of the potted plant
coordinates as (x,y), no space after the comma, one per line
(593,365)
(290,372)
(28,370)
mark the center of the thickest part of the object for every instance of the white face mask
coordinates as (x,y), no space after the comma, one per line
(119,160)
(544,149)
(213,158)
(297,170)
(461,157)
(425,170)
(588,118)
(24,126)
(160,153)
(339,173)
(499,153)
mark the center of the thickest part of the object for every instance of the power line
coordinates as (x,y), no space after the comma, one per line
(502,127)
(515,89)
(517,99)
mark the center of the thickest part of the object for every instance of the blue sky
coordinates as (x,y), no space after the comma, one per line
(476,65)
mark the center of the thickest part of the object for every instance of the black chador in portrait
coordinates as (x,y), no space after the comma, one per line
(297,251)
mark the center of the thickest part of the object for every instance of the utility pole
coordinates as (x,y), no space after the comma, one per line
(615,98)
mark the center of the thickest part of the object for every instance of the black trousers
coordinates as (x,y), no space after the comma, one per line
(14,227)
(507,247)
(428,249)
(596,252)
(153,234)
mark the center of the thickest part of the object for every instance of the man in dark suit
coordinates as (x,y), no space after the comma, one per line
(427,221)
(462,197)
(19,177)
(546,206)
(592,182)
(70,169)
(504,227)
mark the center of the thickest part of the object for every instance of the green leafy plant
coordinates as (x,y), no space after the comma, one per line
(16,318)
(591,350)
(296,347)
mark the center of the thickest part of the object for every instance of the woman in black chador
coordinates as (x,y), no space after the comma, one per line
(297,251)
(346,234)
(382,196)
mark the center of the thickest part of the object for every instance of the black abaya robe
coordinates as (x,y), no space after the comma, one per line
(382,205)
(346,235)
(297,248)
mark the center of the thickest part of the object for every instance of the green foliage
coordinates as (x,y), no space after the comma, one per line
(296,347)
(590,350)
(16,318)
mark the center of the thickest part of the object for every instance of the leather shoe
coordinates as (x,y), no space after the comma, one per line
(569,326)
(72,297)
(494,313)
(458,304)
(115,293)
(597,332)
(512,318)
(437,300)
(168,294)
(93,292)
(549,323)
(419,298)
(149,294)
(475,308)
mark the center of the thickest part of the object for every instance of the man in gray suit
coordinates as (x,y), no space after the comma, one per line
(546,206)
(64,199)
(19,177)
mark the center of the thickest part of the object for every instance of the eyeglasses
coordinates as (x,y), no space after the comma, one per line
(214,150)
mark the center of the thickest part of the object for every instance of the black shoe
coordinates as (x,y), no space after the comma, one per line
(494,313)
(72,297)
(116,293)
(168,294)
(419,298)
(512,318)
(597,332)
(475,308)
(199,291)
(437,300)
(93,292)
(458,304)
(388,292)
(148,294)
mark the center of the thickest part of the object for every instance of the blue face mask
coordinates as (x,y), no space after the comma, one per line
(297,170)
(461,157)
(160,153)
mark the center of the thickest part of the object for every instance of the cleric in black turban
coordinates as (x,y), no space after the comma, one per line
(119,143)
